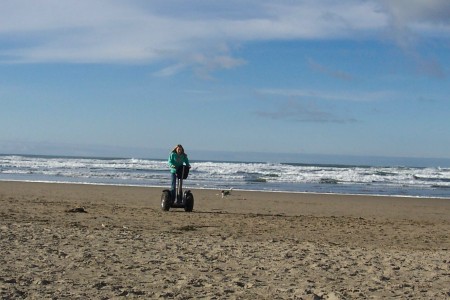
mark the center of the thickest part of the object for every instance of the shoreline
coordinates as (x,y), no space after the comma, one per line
(235,189)
(249,245)
(335,179)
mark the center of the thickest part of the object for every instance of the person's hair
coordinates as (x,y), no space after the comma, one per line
(179,146)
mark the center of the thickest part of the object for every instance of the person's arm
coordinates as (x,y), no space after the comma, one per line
(171,161)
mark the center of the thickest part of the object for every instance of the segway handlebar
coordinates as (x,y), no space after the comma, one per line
(183,172)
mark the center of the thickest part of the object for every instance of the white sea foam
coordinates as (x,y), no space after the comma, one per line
(250,176)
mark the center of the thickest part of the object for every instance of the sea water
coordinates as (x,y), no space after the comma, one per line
(283,177)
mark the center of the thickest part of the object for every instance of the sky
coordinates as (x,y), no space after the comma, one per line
(135,78)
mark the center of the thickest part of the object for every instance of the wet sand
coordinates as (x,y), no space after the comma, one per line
(67,241)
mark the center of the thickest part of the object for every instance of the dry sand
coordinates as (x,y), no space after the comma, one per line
(249,245)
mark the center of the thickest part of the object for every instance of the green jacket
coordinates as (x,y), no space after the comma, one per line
(176,160)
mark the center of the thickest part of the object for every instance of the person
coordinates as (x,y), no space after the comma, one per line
(176,159)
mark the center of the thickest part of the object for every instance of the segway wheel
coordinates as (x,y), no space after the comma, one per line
(189,206)
(166,201)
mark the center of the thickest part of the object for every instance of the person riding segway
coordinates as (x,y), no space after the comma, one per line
(179,169)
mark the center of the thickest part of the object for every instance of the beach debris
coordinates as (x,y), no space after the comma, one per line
(9,280)
(99,285)
(77,210)
(187,228)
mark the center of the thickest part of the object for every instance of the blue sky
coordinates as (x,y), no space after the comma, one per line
(134,78)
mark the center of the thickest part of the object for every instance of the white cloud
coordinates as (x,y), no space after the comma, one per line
(206,65)
(331,96)
(314,105)
(304,112)
(338,74)
(410,20)
(410,12)
(170,70)
(191,33)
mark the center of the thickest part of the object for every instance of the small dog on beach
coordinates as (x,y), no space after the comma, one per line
(226,192)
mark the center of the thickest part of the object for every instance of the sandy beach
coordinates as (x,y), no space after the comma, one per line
(248,245)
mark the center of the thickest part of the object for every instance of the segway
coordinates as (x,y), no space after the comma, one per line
(180,200)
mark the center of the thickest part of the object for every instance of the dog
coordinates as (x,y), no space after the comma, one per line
(226,192)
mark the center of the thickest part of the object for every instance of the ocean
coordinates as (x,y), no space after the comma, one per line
(263,176)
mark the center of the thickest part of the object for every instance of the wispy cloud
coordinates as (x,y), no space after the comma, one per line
(170,70)
(417,13)
(317,106)
(341,75)
(410,20)
(330,96)
(304,112)
(190,34)
(204,65)
(306,106)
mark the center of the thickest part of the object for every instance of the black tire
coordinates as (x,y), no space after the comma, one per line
(189,204)
(166,201)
